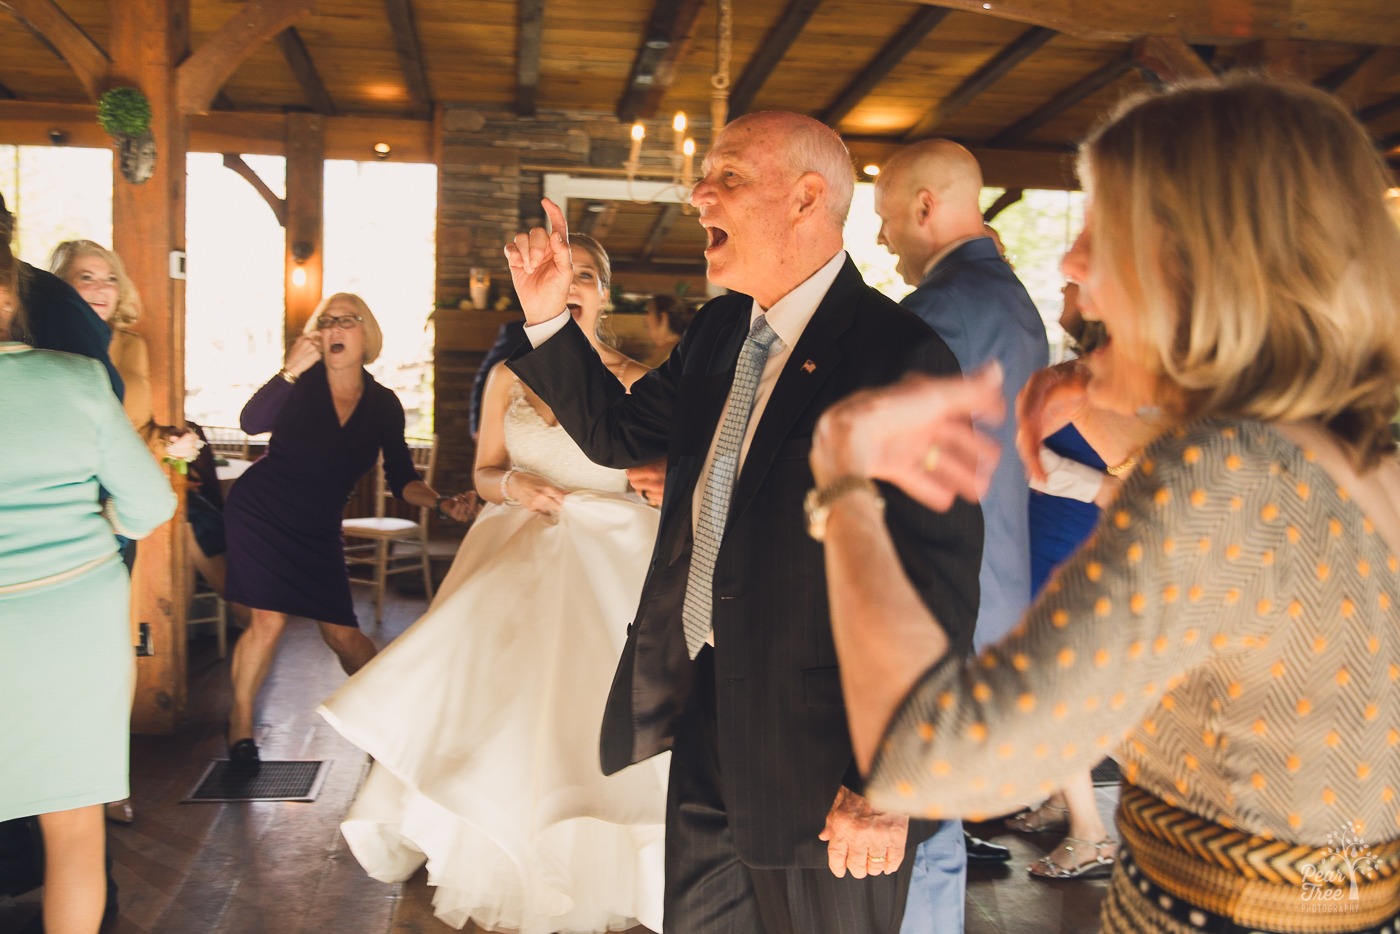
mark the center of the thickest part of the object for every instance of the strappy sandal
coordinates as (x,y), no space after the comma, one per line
(1045,819)
(1097,865)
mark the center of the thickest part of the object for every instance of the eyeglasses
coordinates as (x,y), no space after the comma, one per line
(344,322)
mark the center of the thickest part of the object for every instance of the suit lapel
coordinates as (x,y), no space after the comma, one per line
(808,367)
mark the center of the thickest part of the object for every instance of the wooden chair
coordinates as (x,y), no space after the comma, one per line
(206,606)
(370,541)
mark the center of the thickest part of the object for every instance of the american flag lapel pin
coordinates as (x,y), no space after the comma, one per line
(809,367)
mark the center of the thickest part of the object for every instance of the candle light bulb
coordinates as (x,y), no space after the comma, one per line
(298,277)
(678,122)
(639,132)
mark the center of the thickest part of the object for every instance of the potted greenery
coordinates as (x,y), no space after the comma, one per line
(125,114)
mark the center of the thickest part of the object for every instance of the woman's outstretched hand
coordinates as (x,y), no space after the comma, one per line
(1050,400)
(917,434)
(542,267)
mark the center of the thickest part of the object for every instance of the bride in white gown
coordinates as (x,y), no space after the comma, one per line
(483,717)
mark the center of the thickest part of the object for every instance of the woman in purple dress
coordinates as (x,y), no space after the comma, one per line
(330,420)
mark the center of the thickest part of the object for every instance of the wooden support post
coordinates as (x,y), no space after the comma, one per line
(148,38)
(306,167)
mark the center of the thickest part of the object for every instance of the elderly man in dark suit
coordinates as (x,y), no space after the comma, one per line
(730,662)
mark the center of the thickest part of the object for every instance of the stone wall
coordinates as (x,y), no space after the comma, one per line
(484,198)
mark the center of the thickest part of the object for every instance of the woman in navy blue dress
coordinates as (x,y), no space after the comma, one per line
(330,420)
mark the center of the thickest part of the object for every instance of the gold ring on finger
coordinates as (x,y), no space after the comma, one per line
(931,457)
(875,859)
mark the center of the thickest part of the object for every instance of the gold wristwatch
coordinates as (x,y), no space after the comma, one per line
(819,500)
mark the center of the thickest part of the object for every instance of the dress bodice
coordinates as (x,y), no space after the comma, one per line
(545,449)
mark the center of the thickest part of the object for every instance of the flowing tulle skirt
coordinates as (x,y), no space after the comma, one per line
(483,720)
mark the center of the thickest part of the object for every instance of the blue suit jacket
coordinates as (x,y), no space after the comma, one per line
(974,301)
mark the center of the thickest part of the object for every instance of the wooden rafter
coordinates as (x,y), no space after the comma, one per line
(409,50)
(996,68)
(1368,72)
(223,102)
(1004,200)
(6,94)
(1090,84)
(299,60)
(234,161)
(770,52)
(1283,58)
(906,40)
(598,219)
(529,43)
(1022,167)
(663,46)
(1381,109)
(1169,58)
(664,221)
(1209,21)
(56,29)
(205,71)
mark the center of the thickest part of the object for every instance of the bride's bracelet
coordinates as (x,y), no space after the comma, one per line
(505,488)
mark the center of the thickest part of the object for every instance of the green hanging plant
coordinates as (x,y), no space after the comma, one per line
(124,112)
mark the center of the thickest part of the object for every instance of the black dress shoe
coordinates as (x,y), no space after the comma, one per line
(243,759)
(984,851)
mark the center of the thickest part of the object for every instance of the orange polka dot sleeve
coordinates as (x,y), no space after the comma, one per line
(1230,606)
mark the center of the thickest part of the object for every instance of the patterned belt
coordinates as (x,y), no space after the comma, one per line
(1227,880)
(60,577)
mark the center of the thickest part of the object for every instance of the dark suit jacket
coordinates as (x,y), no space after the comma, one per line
(784,747)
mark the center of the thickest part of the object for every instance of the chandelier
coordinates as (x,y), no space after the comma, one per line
(682,155)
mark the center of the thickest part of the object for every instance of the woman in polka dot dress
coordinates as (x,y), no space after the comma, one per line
(1230,630)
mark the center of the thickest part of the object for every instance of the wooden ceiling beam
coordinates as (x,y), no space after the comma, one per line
(1169,59)
(1380,109)
(770,52)
(529,43)
(27,123)
(1282,58)
(1211,22)
(1090,84)
(665,219)
(992,71)
(410,51)
(66,39)
(1364,75)
(664,45)
(214,62)
(6,94)
(304,69)
(1049,167)
(905,40)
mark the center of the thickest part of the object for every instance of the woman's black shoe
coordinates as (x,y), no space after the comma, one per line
(243,759)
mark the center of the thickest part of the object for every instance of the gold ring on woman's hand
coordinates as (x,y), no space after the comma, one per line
(932,457)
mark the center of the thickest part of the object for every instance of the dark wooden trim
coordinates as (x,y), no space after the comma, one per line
(1334,80)
(996,68)
(1366,74)
(223,102)
(66,39)
(205,71)
(629,267)
(654,66)
(770,52)
(1169,58)
(234,161)
(1007,198)
(1381,109)
(299,60)
(665,219)
(410,52)
(1092,83)
(906,40)
(6,94)
(530,41)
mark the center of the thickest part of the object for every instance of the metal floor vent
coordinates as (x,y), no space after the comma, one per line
(285,780)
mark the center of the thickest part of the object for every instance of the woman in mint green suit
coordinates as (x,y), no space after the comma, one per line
(66,666)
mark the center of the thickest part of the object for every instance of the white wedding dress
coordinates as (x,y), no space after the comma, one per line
(483,717)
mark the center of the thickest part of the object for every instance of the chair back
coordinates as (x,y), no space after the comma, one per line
(229,442)
(423,451)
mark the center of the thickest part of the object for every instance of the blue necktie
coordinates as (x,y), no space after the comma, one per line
(719,485)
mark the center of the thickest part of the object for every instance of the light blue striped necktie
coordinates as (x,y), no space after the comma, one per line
(719,485)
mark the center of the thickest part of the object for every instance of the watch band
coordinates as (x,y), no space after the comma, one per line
(819,501)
